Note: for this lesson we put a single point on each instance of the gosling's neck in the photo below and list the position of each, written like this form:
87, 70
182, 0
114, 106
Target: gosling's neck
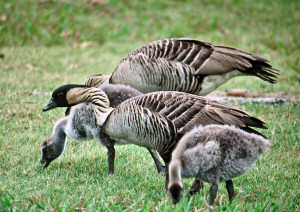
175, 186
175, 173
58, 138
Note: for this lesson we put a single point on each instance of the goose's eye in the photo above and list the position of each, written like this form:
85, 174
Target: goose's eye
60, 95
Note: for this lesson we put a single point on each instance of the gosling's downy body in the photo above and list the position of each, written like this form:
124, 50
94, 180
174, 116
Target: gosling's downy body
81, 124
186, 65
156, 120
214, 154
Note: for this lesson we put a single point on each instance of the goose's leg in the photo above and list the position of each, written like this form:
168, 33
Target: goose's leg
159, 166
111, 159
213, 193
196, 187
230, 189
166, 158
109, 144
67, 111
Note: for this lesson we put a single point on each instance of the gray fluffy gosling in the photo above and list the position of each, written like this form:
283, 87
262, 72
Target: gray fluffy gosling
81, 124
214, 154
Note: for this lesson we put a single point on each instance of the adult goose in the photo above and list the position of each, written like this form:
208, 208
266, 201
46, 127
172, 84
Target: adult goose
80, 124
186, 65
156, 120
214, 154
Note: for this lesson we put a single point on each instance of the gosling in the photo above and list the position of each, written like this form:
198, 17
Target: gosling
214, 154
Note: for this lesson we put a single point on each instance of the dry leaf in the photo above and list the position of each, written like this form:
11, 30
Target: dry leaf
66, 34
99, 2
3, 17
238, 92
84, 45
30, 67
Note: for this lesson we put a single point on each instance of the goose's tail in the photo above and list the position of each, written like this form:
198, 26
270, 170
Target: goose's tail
262, 69
248, 63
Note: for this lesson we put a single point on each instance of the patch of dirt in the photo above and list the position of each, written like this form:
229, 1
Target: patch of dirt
247, 96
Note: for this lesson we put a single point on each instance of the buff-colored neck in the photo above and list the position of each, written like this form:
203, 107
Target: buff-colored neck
97, 80
92, 95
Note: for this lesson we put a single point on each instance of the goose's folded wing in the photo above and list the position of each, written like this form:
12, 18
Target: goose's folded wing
180, 51
187, 111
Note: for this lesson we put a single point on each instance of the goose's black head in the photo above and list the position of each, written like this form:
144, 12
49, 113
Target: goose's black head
62, 96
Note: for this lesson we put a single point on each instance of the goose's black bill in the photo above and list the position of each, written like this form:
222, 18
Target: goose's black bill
50, 105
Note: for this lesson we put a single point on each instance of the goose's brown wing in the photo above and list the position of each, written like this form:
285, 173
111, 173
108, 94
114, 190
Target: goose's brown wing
187, 111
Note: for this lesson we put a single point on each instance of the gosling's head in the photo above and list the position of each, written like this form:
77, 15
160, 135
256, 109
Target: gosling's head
66, 96
50, 152
176, 191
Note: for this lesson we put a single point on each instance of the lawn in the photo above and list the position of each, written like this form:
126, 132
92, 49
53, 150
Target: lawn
50, 43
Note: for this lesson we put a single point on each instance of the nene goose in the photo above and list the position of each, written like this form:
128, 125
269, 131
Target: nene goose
186, 65
156, 120
80, 124
214, 154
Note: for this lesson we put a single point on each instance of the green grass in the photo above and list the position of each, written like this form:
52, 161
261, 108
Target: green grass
40, 57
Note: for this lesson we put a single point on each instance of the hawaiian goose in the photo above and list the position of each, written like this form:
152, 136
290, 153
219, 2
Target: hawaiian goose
81, 124
186, 65
156, 120
214, 154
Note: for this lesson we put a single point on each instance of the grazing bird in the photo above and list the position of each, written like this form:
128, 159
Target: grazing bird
186, 65
81, 124
214, 154
156, 120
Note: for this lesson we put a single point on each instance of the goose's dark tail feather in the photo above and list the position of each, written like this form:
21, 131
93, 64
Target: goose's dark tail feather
250, 130
262, 69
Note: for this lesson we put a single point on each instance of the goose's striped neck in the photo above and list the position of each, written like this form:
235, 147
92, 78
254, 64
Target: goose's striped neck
95, 96
97, 80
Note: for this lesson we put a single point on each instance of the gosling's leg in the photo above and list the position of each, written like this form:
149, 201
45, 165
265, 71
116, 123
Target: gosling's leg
159, 166
230, 189
213, 193
196, 187
111, 159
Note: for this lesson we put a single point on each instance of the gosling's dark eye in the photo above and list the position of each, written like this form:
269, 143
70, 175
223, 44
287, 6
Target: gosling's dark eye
60, 95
